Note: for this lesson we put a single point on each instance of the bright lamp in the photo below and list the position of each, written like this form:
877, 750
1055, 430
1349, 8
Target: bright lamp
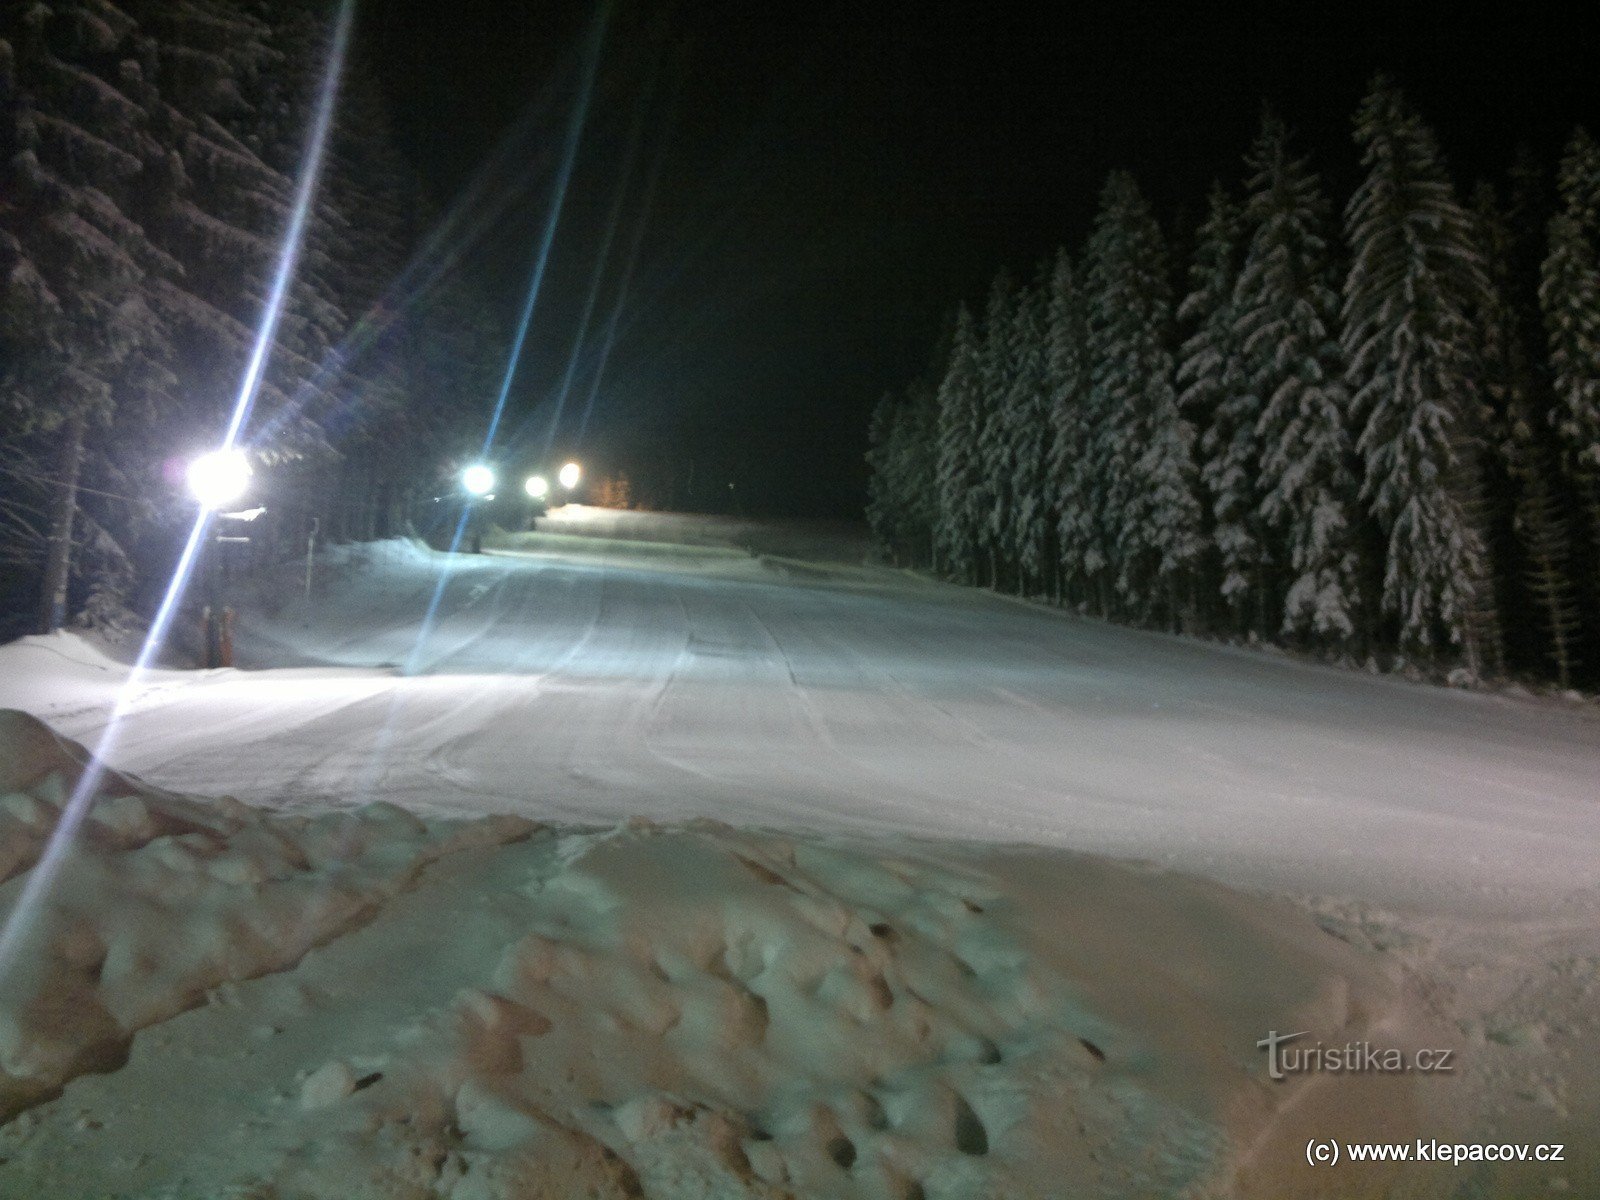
219, 478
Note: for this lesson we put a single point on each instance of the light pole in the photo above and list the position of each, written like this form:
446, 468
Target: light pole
217, 480
478, 482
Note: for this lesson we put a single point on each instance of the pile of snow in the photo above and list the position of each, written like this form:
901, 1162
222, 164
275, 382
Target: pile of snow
160, 899
638, 1011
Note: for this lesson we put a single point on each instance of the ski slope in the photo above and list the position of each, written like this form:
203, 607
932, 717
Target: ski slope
590, 680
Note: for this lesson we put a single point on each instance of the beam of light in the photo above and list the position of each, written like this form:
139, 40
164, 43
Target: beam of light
580, 114
20, 921
613, 327
602, 259
294, 239
575, 126
488, 195
610, 338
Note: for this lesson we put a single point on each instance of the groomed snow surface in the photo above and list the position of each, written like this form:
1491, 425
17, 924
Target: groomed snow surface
619, 881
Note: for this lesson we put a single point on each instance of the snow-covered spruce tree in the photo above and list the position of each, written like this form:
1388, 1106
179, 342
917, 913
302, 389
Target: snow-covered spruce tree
1285, 313
80, 333
216, 205
996, 372
885, 501
1529, 449
1213, 396
1414, 277
1032, 512
1080, 554
1569, 295
375, 196
1143, 448
900, 488
959, 468
920, 469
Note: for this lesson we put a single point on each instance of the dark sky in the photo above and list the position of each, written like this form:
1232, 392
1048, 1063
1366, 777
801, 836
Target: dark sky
837, 176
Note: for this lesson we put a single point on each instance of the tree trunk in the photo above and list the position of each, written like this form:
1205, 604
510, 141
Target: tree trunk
58, 542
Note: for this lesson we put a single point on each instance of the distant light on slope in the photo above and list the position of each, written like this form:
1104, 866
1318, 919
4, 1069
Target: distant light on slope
569, 476
478, 479
537, 486
218, 479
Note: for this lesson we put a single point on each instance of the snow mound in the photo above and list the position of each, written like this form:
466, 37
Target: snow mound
687, 1012
159, 899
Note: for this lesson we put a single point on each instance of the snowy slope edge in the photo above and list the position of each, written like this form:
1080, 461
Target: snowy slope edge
161, 898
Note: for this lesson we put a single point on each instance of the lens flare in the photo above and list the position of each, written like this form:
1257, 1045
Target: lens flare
580, 118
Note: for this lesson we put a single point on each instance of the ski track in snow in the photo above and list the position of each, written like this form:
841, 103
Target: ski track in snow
594, 686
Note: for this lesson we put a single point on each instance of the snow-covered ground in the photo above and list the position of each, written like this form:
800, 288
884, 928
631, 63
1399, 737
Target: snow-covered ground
1453, 838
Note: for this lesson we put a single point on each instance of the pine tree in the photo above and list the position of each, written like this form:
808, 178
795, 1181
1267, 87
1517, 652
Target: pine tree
1142, 448
885, 516
1032, 514
1569, 295
996, 373
1285, 314
1214, 397
1082, 555
960, 414
217, 207
1414, 277
900, 508
78, 267
1538, 524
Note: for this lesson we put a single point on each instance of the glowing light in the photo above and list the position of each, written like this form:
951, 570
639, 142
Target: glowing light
647, 204
569, 476
537, 486
478, 479
219, 478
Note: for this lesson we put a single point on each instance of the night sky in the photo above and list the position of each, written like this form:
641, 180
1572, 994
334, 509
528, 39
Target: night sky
836, 176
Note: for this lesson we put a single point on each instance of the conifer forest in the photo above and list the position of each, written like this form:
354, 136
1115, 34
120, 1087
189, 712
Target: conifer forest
147, 155
1363, 426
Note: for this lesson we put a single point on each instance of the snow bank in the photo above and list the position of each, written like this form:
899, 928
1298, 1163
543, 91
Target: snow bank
673, 1012
160, 899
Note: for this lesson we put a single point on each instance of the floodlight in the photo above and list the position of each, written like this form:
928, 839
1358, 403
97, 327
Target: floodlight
219, 478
